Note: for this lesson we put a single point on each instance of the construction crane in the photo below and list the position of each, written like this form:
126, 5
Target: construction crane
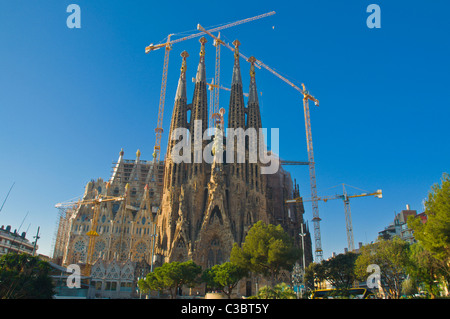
213, 86
214, 102
92, 233
284, 162
199, 27
168, 46
348, 217
311, 164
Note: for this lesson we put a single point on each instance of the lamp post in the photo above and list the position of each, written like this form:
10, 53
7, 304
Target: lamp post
302, 234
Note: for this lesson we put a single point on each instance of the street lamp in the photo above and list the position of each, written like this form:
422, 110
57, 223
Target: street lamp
302, 234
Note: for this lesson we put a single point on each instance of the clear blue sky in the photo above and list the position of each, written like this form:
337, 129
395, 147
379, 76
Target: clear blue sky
70, 99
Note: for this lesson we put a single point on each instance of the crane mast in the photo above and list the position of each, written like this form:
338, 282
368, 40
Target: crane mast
348, 221
215, 116
162, 99
312, 175
348, 217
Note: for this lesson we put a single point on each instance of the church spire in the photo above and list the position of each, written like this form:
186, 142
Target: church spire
236, 69
252, 93
180, 106
254, 121
117, 169
199, 104
254, 116
174, 172
201, 72
181, 89
236, 116
199, 113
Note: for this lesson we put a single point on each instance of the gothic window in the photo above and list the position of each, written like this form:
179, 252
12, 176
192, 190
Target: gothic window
216, 213
141, 248
164, 242
121, 250
219, 258
211, 261
115, 208
79, 246
215, 255
181, 243
249, 219
113, 273
100, 247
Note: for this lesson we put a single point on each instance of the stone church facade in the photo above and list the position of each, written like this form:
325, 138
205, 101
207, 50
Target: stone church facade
206, 207
179, 211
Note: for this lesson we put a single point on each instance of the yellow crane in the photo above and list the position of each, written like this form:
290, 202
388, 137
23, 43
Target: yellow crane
168, 46
285, 162
311, 164
348, 217
214, 102
92, 233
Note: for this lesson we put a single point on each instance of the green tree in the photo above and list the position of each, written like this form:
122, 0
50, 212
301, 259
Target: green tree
171, 277
339, 270
314, 274
392, 256
267, 249
434, 235
224, 277
24, 276
280, 291
424, 269
409, 287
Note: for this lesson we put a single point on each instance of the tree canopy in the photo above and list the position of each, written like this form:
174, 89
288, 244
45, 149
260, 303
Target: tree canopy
267, 249
434, 235
339, 270
23, 276
424, 269
280, 291
392, 258
224, 277
171, 277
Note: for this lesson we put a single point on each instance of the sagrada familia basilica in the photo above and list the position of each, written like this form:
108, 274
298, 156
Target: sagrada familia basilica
178, 211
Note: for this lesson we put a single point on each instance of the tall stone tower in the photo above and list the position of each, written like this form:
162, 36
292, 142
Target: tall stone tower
197, 208
206, 207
